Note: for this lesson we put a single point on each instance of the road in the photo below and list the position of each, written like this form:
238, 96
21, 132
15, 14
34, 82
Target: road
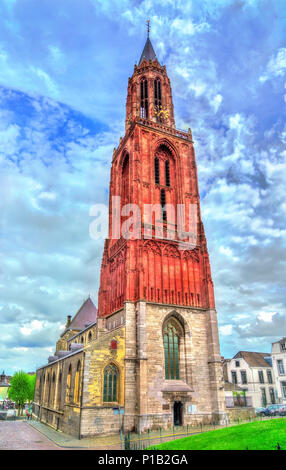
18, 435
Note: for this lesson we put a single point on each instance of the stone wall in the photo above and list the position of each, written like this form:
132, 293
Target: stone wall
240, 413
98, 417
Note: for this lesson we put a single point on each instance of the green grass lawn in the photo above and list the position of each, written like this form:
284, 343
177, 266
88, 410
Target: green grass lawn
259, 435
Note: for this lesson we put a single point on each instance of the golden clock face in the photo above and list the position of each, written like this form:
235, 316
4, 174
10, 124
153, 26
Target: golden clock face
161, 113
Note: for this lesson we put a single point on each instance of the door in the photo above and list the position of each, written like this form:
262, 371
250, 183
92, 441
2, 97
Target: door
178, 413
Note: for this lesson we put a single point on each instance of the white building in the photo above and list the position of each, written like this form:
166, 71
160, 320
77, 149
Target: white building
279, 368
252, 372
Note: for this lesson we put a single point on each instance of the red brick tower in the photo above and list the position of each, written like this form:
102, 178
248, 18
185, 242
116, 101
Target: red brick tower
154, 164
149, 282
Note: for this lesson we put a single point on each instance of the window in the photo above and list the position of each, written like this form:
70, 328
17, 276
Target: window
172, 332
59, 395
283, 389
110, 385
272, 395
167, 172
280, 367
82, 340
243, 377
125, 181
157, 171
236, 363
53, 387
77, 383
68, 391
163, 203
48, 389
269, 377
233, 377
261, 376
263, 397
157, 92
144, 98
90, 336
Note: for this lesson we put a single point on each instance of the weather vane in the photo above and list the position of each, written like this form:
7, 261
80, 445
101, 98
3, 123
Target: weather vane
148, 27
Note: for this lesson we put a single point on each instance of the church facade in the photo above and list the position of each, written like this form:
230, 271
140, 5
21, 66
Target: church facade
152, 348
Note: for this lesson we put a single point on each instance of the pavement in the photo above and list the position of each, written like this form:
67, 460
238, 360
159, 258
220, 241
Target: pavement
109, 442
19, 435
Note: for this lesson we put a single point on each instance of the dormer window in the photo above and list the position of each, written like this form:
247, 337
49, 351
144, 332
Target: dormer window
144, 98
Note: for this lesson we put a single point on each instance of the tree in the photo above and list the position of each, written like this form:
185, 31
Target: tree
32, 384
20, 389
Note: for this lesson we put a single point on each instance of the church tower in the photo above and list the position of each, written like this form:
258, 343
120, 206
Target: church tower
153, 282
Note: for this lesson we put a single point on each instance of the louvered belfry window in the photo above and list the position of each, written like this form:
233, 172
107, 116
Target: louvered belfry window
167, 172
144, 98
157, 171
171, 348
157, 92
163, 203
110, 386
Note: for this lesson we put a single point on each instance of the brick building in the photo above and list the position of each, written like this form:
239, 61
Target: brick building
152, 348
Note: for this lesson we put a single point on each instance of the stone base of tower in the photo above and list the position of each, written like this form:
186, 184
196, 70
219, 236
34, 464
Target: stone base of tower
196, 394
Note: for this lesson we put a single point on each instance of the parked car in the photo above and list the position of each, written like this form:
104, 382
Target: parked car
272, 410
282, 410
260, 411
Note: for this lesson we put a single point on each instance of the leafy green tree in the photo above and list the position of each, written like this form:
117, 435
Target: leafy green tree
20, 389
32, 383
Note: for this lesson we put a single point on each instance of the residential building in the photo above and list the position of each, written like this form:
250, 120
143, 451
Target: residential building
278, 355
253, 373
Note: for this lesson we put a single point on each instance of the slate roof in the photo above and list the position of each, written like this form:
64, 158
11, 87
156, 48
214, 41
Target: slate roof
254, 359
86, 315
148, 52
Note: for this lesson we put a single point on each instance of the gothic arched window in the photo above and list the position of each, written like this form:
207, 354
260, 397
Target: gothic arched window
77, 383
157, 92
144, 98
125, 182
110, 385
172, 332
59, 394
69, 377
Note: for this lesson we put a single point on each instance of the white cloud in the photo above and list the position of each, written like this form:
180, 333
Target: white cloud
225, 330
276, 66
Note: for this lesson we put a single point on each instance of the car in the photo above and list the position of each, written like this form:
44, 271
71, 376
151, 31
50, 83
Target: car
272, 410
260, 411
282, 410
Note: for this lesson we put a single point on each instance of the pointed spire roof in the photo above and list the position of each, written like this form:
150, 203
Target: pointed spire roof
148, 52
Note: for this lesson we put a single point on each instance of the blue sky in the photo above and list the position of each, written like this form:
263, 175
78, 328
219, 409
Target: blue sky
64, 68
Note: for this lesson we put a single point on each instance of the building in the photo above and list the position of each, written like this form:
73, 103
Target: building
253, 373
278, 355
4, 386
153, 349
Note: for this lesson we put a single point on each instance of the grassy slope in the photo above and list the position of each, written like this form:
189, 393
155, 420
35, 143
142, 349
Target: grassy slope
254, 436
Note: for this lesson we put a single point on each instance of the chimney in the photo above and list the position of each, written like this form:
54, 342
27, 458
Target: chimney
68, 321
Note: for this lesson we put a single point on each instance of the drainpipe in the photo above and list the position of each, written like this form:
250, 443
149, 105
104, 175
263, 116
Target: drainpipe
81, 396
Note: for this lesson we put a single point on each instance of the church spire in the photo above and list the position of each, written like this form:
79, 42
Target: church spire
148, 51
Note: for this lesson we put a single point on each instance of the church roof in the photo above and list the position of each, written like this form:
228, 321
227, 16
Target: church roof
148, 52
86, 314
